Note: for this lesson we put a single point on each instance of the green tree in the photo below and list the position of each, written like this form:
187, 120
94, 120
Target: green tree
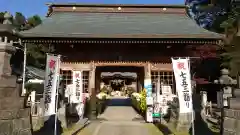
1, 17
230, 51
34, 20
36, 55
35, 52
19, 21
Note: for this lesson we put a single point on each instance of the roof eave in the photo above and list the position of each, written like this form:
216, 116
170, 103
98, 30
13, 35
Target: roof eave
152, 36
114, 5
109, 40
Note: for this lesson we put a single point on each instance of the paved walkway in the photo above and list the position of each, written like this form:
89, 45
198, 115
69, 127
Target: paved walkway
120, 120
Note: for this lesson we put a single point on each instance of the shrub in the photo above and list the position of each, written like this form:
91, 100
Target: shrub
102, 96
139, 101
105, 90
143, 104
135, 98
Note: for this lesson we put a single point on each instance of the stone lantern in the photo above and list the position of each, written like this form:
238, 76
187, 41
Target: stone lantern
225, 80
226, 84
14, 117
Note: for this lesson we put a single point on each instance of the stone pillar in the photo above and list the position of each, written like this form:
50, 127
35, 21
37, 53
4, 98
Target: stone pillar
14, 117
204, 103
92, 107
148, 88
203, 98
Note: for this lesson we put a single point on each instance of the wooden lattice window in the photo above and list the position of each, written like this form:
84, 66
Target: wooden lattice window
67, 79
166, 77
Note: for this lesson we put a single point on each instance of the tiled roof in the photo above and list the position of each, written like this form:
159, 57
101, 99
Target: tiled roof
90, 24
33, 73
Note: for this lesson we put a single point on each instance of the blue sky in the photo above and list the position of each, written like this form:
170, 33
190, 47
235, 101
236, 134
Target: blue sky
32, 7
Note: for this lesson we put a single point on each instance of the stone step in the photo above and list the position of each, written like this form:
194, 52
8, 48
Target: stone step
8, 81
232, 113
236, 92
11, 102
14, 114
234, 103
8, 92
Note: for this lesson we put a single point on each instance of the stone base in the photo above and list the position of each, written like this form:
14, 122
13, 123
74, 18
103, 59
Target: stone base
20, 126
49, 127
62, 116
229, 133
15, 122
15, 119
184, 122
37, 123
231, 122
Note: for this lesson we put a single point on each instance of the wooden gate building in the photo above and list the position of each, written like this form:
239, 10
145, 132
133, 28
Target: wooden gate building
118, 38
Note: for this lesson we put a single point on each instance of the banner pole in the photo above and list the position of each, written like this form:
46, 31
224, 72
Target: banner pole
193, 125
24, 69
56, 104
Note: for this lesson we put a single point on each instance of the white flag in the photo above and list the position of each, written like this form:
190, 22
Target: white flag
77, 87
181, 68
50, 85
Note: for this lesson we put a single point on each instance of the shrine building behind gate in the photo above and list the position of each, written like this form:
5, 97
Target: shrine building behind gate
119, 38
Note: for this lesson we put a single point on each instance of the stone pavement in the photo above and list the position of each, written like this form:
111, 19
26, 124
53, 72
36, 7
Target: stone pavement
120, 120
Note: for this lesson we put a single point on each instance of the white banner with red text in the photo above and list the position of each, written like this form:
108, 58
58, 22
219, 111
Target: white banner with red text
181, 68
51, 84
77, 87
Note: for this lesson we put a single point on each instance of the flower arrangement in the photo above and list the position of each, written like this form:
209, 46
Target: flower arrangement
102, 96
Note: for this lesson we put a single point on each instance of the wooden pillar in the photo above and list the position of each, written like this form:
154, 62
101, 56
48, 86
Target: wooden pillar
92, 107
138, 83
148, 87
97, 81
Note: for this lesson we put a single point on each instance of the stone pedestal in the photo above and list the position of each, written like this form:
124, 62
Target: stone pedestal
181, 121
184, 121
14, 117
62, 116
231, 122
